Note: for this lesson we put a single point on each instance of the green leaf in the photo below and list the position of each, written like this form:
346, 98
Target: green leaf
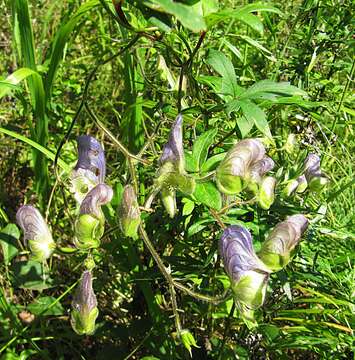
212, 162
224, 67
187, 15
240, 13
267, 89
49, 154
15, 78
8, 241
245, 125
207, 194
198, 226
61, 40
39, 132
190, 163
201, 146
30, 275
253, 113
267, 53
41, 306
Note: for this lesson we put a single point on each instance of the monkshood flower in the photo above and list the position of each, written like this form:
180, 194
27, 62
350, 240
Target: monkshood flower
90, 169
129, 213
278, 248
312, 171
172, 175
36, 232
247, 273
232, 172
84, 307
90, 224
260, 168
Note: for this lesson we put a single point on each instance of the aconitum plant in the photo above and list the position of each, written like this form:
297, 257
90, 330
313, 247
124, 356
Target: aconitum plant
245, 170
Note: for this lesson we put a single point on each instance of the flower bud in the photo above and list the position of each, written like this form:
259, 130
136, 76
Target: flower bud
298, 185
84, 307
267, 192
90, 225
168, 197
234, 168
129, 213
173, 151
90, 169
248, 275
277, 249
36, 232
172, 175
291, 144
188, 340
312, 171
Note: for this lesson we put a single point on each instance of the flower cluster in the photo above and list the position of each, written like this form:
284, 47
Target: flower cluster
249, 272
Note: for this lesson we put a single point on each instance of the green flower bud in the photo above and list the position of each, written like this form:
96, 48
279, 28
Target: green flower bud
234, 170
129, 213
168, 197
302, 184
277, 249
291, 144
36, 233
90, 224
84, 307
188, 340
267, 192
291, 187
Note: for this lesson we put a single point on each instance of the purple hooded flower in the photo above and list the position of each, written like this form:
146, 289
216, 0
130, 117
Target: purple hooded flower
91, 157
173, 151
261, 167
277, 249
36, 232
237, 252
249, 276
85, 298
84, 306
100, 195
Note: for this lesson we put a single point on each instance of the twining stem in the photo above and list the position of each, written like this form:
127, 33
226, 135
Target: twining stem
171, 281
120, 146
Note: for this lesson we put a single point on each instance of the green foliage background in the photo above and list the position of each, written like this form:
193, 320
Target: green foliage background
72, 67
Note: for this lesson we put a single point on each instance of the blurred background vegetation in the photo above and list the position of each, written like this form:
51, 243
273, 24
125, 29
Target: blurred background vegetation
92, 69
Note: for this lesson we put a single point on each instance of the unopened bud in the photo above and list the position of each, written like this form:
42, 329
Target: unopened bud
90, 225
129, 213
188, 340
84, 307
168, 197
277, 249
267, 192
36, 233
